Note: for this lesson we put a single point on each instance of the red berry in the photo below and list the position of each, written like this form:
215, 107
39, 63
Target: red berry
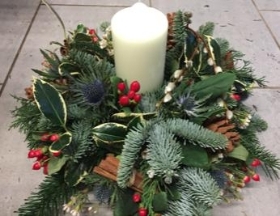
236, 97
56, 154
131, 94
94, 39
45, 169
135, 86
38, 153
54, 137
121, 86
45, 137
142, 212
31, 153
256, 162
136, 197
137, 98
124, 100
36, 165
246, 179
92, 32
256, 177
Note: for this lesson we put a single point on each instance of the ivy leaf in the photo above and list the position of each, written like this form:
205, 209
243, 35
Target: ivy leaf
240, 153
56, 163
64, 140
50, 102
194, 156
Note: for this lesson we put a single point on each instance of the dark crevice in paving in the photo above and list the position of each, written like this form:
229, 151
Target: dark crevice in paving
18, 51
86, 5
266, 24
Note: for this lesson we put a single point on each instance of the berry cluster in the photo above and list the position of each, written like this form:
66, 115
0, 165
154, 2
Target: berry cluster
128, 97
93, 35
42, 154
137, 199
251, 174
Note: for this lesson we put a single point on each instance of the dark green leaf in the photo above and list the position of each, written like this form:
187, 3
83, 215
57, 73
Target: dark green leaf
124, 205
82, 37
240, 153
56, 163
215, 85
194, 156
50, 102
160, 202
75, 172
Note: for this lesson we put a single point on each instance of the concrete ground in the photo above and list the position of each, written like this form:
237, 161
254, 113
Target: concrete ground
252, 26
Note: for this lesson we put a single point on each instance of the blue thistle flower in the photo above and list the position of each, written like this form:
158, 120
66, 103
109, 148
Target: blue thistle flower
94, 92
220, 177
102, 193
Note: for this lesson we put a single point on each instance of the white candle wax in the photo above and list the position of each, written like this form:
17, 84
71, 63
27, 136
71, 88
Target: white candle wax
139, 40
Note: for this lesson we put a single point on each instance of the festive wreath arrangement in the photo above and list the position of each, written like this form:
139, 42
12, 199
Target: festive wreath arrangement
179, 150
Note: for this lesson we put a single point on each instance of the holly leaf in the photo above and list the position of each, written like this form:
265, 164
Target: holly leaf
124, 205
75, 173
50, 102
109, 133
64, 140
194, 156
56, 163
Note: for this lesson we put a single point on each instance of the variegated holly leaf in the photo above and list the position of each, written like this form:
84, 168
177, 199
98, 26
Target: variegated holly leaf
109, 133
50, 102
64, 140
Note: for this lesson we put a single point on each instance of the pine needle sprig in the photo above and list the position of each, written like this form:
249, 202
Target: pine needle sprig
270, 162
201, 186
49, 198
163, 153
134, 141
196, 134
81, 139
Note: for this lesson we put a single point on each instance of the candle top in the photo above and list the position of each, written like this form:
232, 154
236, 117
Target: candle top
139, 22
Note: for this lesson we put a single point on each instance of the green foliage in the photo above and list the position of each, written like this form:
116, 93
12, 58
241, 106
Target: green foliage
49, 198
207, 29
163, 152
50, 102
196, 134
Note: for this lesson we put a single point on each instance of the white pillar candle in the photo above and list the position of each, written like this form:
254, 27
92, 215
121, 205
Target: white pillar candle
139, 40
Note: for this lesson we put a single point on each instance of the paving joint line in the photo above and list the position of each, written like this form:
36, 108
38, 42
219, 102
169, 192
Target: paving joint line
266, 24
18, 51
85, 5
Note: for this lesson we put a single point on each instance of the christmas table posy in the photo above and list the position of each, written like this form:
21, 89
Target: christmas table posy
175, 147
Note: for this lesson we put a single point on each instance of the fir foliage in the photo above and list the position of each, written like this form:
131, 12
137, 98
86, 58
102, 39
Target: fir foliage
47, 201
196, 134
134, 141
163, 152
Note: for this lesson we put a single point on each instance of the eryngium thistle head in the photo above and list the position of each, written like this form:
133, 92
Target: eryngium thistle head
94, 92
188, 104
220, 177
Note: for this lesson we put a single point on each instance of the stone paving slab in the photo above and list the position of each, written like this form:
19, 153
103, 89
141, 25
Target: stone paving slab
96, 2
268, 4
15, 17
239, 23
271, 17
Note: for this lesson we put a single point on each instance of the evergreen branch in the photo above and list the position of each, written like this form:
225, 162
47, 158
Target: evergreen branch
207, 29
196, 134
164, 153
134, 141
270, 163
53, 192
201, 186
182, 207
81, 139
